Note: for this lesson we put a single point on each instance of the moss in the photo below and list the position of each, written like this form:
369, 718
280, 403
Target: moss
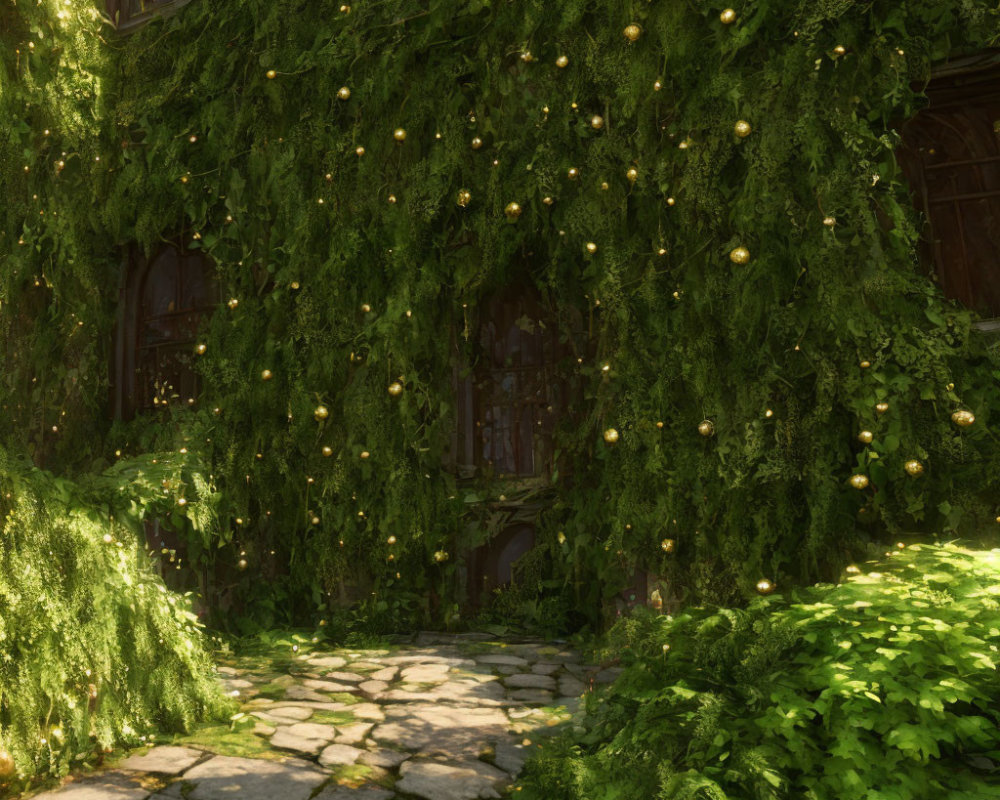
224, 741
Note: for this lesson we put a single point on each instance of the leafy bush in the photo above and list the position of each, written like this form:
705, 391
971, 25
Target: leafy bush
94, 651
884, 686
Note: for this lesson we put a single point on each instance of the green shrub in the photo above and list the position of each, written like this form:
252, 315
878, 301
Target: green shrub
884, 686
94, 651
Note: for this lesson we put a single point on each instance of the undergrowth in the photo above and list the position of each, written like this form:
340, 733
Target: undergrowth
884, 686
95, 652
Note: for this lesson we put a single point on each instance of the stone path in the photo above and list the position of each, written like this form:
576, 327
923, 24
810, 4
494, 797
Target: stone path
444, 718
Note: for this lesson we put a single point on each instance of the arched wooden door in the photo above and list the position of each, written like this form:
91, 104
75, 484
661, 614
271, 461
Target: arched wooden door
510, 398
509, 401
162, 301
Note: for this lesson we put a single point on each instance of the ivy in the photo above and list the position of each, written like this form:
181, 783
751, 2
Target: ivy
178, 130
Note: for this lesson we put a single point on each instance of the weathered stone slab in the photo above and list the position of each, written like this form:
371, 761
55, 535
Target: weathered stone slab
532, 696
353, 733
555, 654
164, 760
467, 780
545, 668
339, 755
432, 730
383, 757
291, 712
576, 670
109, 786
426, 673
343, 677
510, 757
387, 674
529, 680
327, 662
304, 693
571, 687
372, 712
303, 737
502, 658
328, 686
373, 688
435, 656
227, 778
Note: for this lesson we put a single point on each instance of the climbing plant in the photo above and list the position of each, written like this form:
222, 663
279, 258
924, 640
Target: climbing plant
711, 193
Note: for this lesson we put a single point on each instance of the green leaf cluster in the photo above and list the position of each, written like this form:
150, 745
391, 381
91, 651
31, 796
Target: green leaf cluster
883, 686
95, 652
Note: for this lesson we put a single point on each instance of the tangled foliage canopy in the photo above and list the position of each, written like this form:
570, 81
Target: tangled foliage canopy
883, 686
178, 130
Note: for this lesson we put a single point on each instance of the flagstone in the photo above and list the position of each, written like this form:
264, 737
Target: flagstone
571, 687
387, 674
467, 780
303, 737
371, 712
110, 786
327, 662
353, 733
343, 677
383, 757
228, 777
339, 755
529, 680
425, 673
502, 658
532, 696
291, 712
432, 729
444, 713
304, 693
163, 760
510, 757
373, 687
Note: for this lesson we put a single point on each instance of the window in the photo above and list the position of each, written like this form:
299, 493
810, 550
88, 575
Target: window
509, 403
162, 303
951, 157
127, 14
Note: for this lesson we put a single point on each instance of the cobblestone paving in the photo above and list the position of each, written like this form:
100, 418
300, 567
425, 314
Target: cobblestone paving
444, 718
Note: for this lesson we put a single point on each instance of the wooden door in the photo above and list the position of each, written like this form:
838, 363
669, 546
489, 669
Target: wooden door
951, 156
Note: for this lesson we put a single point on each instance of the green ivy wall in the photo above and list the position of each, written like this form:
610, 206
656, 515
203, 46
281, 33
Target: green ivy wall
178, 129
